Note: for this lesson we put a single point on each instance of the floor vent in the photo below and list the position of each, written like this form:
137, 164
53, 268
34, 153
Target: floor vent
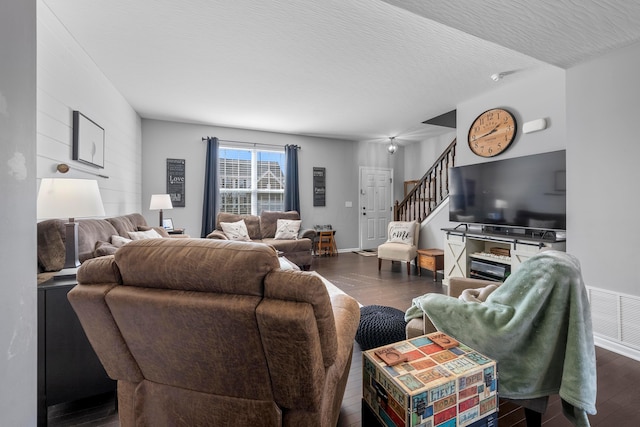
615, 316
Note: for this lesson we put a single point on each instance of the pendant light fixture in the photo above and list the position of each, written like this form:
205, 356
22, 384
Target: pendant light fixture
392, 145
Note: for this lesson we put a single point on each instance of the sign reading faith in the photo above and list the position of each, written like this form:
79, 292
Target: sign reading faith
176, 181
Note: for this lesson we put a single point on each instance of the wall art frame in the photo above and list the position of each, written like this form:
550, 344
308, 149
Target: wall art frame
88, 140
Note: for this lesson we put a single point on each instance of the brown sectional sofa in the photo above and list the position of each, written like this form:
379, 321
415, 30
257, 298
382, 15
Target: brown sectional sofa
213, 332
94, 236
262, 229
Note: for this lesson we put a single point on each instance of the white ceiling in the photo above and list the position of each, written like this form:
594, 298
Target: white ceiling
355, 69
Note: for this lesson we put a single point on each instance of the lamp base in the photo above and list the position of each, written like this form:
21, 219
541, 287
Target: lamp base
66, 274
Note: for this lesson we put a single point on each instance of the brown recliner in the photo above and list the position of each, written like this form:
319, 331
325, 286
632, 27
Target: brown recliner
202, 332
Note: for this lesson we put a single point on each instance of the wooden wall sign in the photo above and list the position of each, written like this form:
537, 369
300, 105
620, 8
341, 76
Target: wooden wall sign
319, 186
176, 181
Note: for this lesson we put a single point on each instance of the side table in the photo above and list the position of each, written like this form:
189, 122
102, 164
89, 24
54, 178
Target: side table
431, 259
68, 368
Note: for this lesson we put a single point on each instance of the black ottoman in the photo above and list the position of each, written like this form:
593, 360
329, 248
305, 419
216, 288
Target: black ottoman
380, 325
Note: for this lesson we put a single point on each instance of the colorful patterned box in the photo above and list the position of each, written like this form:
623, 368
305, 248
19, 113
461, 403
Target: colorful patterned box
435, 387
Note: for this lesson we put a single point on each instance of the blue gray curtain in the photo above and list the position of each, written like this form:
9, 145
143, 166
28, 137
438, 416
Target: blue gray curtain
211, 188
291, 187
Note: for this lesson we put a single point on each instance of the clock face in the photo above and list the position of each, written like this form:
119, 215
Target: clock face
492, 132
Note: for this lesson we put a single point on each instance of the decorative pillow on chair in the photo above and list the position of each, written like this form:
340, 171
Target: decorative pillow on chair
287, 229
401, 232
119, 241
235, 231
140, 235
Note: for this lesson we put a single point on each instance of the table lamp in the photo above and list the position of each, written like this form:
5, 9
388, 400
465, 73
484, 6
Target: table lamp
69, 198
160, 201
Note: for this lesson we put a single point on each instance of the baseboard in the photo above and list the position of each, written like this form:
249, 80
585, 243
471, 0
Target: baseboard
340, 251
616, 348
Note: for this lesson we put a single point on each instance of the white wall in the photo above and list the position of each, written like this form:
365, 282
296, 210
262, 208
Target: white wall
18, 303
162, 140
603, 169
69, 80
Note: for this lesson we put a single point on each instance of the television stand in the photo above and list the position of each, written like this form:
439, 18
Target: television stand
461, 246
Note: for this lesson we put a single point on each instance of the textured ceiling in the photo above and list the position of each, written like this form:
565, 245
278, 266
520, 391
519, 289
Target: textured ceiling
358, 69
559, 32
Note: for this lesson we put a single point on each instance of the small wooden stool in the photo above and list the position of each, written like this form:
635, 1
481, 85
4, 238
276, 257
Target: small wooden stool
431, 259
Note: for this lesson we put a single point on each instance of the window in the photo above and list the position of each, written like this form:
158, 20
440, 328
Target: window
251, 180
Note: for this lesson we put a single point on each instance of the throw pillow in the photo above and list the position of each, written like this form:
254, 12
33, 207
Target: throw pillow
161, 231
119, 241
140, 235
104, 248
287, 229
401, 232
235, 231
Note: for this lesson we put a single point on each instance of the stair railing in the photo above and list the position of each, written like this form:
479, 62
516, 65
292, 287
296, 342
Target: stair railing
429, 192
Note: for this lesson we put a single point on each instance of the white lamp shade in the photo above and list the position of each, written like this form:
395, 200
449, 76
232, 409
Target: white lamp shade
160, 201
69, 198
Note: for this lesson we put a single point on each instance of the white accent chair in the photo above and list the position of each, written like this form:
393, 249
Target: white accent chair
402, 243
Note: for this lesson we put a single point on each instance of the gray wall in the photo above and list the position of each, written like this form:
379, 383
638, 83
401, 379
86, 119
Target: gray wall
528, 97
603, 172
18, 303
162, 140
420, 156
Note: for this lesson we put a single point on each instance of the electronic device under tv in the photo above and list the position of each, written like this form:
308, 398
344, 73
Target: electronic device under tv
526, 192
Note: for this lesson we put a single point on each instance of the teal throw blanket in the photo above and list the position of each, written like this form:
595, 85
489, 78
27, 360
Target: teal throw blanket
537, 325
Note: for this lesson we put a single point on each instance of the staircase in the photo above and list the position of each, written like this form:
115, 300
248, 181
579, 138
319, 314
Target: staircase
428, 192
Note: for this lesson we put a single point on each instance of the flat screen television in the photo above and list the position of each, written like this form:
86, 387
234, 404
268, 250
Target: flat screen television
522, 192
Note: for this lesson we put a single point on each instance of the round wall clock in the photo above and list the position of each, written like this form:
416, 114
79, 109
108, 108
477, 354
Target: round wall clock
492, 132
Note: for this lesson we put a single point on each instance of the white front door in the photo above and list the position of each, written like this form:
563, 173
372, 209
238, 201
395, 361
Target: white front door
376, 209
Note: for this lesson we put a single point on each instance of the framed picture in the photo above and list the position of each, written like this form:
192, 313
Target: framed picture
167, 224
88, 140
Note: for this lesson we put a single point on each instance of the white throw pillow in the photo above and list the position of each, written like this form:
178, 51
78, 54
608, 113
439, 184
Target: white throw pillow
119, 241
236, 231
140, 235
401, 232
287, 229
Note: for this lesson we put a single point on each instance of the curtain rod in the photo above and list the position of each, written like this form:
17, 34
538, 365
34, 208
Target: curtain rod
205, 138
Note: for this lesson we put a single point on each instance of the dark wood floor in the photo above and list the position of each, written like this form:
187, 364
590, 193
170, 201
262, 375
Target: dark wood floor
618, 400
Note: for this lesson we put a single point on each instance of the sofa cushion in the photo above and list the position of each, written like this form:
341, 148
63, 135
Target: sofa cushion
104, 248
251, 221
269, 221
214, 265
287, 229
89, 232
235, 231
122, 224
288, 246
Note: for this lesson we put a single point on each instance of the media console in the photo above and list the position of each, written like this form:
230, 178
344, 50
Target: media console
493, 254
